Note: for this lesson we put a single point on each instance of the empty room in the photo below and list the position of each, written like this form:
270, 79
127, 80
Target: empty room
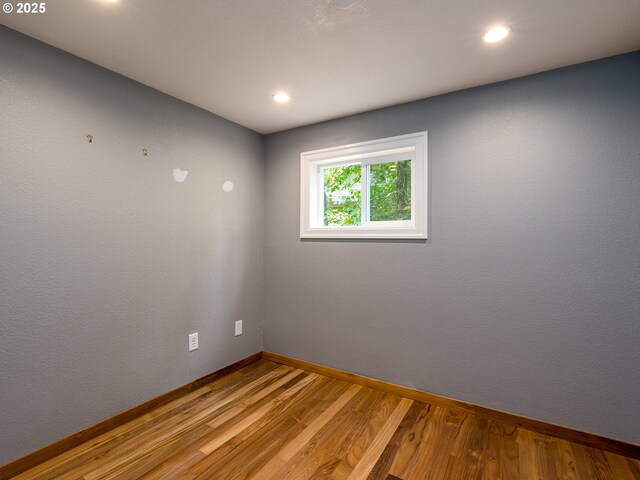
320, 239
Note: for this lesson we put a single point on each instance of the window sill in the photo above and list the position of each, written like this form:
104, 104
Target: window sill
345, 233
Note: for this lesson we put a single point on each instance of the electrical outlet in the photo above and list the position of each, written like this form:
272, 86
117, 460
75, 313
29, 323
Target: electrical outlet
238, 327
193, 341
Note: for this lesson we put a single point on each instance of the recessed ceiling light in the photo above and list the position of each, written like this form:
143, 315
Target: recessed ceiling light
496, 34
281, 97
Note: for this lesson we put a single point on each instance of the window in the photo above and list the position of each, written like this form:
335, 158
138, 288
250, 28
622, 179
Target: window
373, 189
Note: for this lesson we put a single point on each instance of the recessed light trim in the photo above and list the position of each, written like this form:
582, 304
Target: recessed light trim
281, 97
496, 34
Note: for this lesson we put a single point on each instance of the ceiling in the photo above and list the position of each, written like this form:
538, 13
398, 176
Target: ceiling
230, 57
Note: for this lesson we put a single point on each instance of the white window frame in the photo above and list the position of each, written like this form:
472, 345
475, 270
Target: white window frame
404, 147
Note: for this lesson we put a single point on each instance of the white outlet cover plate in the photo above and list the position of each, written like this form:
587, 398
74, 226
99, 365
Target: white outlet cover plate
193, 341
238, 327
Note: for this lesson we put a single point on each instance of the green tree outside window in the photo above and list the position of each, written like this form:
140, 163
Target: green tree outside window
389, 191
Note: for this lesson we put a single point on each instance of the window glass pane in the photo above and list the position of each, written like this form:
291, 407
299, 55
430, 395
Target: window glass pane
390, 191
342, 206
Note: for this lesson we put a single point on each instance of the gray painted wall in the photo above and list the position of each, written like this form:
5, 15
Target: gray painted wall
106, 264
527, 296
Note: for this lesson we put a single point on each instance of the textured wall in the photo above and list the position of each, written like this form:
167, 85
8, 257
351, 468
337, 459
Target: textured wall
106, 263
527, 296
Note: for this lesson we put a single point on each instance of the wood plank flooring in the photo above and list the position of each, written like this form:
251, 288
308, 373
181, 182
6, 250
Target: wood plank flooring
269, 421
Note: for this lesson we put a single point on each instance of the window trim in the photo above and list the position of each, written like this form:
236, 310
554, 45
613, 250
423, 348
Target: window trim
366, 153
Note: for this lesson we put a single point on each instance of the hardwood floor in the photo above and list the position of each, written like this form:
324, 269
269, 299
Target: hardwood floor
269, 421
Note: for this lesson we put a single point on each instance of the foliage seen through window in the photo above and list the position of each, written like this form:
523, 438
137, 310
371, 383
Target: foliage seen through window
389, 193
